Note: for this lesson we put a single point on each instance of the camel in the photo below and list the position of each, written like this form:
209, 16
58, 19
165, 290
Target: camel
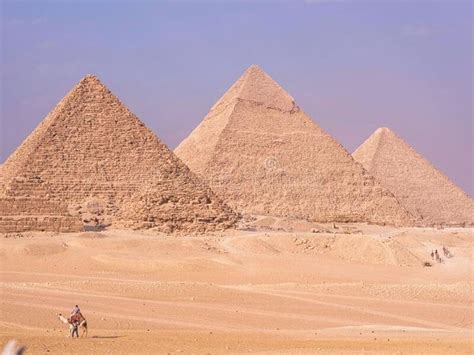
72, 329
12, 348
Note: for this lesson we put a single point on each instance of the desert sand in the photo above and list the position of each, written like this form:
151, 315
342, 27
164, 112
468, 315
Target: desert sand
271, 286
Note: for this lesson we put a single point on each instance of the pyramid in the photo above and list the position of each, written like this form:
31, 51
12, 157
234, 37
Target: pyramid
418, 185
95, 156
263, 155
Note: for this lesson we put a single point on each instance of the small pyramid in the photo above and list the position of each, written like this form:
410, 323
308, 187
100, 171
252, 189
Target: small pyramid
419, 186
95, 156
265, 156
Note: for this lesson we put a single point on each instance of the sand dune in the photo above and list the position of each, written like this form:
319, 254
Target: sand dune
266, 289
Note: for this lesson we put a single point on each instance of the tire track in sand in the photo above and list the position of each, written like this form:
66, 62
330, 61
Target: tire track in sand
408, 319
193, 305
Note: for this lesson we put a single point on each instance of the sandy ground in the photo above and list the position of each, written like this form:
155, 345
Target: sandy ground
276, 287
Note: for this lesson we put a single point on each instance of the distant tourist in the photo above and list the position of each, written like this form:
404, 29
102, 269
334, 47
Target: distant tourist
75, 329
75, 310
432, 255
446, 252
437, 257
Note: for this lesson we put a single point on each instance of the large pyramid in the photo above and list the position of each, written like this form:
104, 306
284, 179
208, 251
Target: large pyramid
96, 157
263, 155
418, 185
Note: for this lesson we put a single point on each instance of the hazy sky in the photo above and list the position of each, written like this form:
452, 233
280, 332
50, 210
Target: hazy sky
352, 66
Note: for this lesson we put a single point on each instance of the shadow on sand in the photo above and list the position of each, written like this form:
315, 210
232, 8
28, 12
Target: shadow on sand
107, 337
97, 228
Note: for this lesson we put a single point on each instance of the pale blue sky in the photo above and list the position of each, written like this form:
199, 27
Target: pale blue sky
352, 66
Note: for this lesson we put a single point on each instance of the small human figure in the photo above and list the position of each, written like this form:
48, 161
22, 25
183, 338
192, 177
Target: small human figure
432, 255
446, 252
75, 310
75, 315
75, 329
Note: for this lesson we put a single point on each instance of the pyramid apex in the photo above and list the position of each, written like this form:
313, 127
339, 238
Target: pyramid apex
256, 85
383, 130
88, 83
384, 133
255, 73
254, 67
90, 78
372, 144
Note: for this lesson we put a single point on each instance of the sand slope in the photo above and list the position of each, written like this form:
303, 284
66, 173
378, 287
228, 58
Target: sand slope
276, 287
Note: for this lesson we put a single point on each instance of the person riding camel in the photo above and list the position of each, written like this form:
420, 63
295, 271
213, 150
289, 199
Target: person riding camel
75, 310
75, 314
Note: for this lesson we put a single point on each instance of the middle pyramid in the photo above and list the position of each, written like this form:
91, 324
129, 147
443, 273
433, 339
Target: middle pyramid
265, 156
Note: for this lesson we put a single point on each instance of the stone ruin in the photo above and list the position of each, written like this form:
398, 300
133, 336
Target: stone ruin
92, 161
